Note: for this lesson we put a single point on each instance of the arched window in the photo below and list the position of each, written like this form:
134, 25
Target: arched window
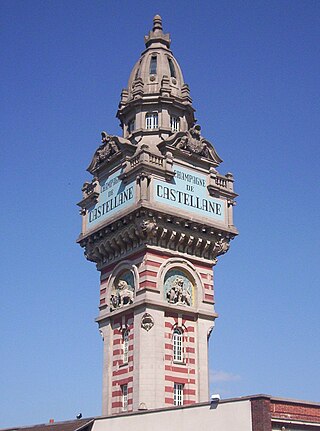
172, 69
177, 345
138, 70
152, 120
153, 65
125, 346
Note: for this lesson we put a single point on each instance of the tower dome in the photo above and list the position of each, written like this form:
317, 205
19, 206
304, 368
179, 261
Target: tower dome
155, 63
157, 102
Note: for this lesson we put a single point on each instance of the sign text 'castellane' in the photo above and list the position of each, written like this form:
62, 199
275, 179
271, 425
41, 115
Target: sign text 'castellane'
188, 191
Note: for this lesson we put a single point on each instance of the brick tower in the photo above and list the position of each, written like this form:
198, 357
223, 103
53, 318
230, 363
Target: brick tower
155, 217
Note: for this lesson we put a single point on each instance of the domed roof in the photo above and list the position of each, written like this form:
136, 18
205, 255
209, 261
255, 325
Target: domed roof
157, 102
156, 62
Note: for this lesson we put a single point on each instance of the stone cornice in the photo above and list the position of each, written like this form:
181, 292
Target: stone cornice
157, 303
152, 228
155, 98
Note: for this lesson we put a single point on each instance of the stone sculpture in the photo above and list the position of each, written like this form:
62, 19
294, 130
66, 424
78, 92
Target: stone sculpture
122, 295
178, 290
193, 143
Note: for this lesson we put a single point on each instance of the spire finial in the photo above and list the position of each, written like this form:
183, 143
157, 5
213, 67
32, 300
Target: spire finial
156, 35
157, 23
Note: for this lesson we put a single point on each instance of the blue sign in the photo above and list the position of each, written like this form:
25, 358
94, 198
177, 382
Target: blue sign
114, 196
188, 191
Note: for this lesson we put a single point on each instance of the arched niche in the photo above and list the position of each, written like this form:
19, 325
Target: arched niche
122, 285
180, 283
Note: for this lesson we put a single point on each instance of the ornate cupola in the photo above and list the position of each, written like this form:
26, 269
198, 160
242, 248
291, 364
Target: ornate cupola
157, 102
155, 217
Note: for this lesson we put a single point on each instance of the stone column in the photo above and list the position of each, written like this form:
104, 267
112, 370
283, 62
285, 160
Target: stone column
106, 332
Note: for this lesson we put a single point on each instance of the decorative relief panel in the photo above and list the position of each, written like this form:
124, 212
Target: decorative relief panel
193, 143
109, 146
178, 288
122, 292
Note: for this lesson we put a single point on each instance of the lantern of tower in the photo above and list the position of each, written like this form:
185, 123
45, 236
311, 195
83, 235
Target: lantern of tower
155, 218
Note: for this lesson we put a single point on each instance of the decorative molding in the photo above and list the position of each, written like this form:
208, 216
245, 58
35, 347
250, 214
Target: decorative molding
88, 188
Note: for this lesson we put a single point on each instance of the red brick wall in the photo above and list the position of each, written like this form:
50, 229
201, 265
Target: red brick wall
295, 411
260, 414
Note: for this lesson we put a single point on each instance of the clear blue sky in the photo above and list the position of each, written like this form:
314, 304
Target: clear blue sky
253, 71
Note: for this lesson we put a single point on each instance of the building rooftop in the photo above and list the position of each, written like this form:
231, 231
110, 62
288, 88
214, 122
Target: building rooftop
73, 425
274, 410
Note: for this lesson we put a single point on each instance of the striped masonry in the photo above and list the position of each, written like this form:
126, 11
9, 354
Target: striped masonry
184, 372
122, 373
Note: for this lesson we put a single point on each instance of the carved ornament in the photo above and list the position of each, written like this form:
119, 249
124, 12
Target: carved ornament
88, 188
110, 145
148, 227
122, 293
147, 322
193, 143
222, 246
178, 288
174, 233
90, 195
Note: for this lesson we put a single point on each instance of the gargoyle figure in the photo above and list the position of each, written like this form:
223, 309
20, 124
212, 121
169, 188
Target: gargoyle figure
149, 227
221, 246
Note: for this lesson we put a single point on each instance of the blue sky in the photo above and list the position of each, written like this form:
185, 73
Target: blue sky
253, 71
